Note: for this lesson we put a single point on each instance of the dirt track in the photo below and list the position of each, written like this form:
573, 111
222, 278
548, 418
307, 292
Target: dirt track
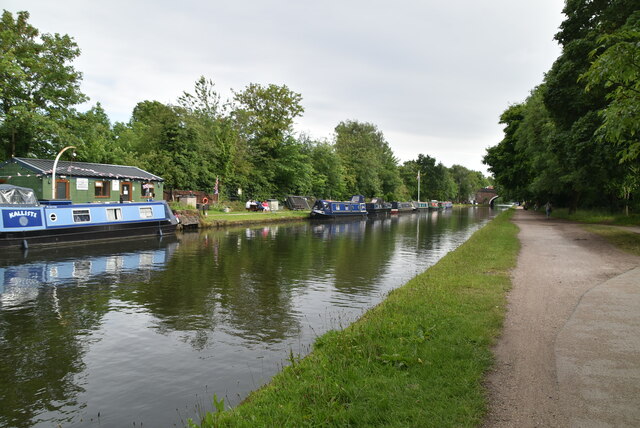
569, 355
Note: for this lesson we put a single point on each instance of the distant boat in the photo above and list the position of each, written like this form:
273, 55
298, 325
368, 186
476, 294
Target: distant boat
420, 206
434, 205
26, 222
401, 207
378, 206
327, 209
447, 204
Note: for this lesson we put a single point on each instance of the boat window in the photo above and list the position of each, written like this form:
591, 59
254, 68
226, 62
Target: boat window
114, 214
146, 212
336, 207
81, 216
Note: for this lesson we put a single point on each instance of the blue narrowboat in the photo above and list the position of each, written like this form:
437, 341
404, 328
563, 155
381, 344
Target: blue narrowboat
25, 221
326, 209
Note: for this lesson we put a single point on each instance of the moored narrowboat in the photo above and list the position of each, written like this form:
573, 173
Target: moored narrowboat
327, 209
378, 206
401, 207
420, 206
433, 205
26, 222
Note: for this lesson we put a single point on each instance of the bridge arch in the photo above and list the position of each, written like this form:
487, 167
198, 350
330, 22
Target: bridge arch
493, 200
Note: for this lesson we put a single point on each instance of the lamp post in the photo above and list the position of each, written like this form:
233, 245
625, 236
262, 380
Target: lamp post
53, 172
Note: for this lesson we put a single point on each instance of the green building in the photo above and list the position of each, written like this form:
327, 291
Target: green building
82, 182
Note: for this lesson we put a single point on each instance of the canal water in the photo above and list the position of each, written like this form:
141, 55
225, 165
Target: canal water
145, 332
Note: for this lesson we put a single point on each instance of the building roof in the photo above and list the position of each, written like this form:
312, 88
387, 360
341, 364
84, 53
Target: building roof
86, 169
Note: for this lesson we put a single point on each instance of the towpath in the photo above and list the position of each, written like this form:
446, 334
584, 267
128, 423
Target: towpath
569, 354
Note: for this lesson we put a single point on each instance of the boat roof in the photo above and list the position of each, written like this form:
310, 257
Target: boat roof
85, 169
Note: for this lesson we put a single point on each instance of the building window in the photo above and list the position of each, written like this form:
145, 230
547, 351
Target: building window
103, 189
114, 214
147, 190
146, 212
81, 216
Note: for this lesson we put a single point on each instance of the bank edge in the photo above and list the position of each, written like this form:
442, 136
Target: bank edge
418, 359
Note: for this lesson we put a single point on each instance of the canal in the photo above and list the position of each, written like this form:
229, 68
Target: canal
145, 332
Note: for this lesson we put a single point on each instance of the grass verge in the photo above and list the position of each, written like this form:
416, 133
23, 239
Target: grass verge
623, 239
416, 359
597, 216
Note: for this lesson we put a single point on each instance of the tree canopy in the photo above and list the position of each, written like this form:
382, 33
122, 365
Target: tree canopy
574, 140
38, 88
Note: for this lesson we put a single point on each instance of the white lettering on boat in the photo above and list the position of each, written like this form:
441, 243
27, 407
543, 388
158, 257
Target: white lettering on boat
33, 214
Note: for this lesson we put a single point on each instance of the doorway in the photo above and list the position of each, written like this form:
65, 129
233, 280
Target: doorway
125, 191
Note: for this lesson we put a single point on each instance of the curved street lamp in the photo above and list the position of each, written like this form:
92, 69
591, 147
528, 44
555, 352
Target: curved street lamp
53, 172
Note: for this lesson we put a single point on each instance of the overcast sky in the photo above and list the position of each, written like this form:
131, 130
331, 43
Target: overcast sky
433, 76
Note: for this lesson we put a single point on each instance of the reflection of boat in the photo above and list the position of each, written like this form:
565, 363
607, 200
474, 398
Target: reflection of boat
378, 206
325, 209
21, 280
401, 207
26, 222
346, 226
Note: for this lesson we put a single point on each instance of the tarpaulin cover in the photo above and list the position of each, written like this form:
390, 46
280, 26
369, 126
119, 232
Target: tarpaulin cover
14, 195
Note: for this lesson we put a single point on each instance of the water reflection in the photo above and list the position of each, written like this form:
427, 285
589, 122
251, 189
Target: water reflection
49, 308
132, 334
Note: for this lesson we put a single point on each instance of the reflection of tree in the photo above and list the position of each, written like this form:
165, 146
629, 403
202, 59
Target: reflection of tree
359, 258
42, 349
246, 279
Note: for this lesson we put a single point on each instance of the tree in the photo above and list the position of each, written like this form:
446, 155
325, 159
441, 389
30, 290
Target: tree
264, 117
92, 134
38, 87
467, 182
371, 169
327, 176
617, 68
216, 137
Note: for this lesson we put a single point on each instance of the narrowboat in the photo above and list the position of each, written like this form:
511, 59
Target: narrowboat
420, 206
26, 222
434, 205
447, 205
401, 207
326, 209
378, 206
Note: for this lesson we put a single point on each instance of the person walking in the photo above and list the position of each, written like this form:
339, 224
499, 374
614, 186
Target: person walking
547, 208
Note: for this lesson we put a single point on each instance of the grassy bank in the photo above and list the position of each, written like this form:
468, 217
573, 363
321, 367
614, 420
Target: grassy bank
417, 359
216, 219
597, 217
623, 239
607, 225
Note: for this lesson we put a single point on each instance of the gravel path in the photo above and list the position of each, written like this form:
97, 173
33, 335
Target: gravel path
569, 354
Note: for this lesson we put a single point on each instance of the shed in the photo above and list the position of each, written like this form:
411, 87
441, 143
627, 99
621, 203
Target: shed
82, 182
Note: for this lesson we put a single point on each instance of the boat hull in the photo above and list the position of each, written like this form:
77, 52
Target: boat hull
70, 224
318, 215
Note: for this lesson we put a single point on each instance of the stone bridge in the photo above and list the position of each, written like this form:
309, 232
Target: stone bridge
486, 196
